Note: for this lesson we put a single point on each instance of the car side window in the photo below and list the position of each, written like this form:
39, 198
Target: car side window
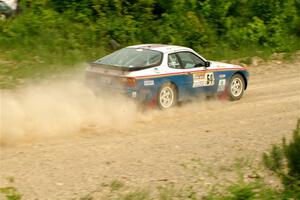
190, 60
173, 61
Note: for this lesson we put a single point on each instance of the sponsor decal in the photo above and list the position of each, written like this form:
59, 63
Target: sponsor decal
148, 82
198, 76
222, 76
221, 86
203, 79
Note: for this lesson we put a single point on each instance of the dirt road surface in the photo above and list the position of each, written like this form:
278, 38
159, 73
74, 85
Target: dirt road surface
201, 142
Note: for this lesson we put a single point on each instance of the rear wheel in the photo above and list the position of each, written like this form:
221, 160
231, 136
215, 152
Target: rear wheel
167, 96
236, 87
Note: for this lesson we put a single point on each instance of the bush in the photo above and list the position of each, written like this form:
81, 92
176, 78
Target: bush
55, 29
10, 193
284, 161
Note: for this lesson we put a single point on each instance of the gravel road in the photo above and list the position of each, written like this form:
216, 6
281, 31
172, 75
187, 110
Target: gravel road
200, 142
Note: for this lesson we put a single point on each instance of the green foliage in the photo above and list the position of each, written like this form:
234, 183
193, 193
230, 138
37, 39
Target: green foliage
116, 185
10, 193
47, 33
240, 192
71, 31
292, 152
274, 160
284, 161
169, 192
137, 195
247, 191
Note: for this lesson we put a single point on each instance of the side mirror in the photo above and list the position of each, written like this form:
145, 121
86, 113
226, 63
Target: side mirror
207, 63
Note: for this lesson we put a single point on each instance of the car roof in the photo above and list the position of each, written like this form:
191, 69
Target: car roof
164, 48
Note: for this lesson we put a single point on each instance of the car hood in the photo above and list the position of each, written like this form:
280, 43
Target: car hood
220, 65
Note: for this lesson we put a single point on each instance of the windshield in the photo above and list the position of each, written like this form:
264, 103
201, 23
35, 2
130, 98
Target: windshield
132, 57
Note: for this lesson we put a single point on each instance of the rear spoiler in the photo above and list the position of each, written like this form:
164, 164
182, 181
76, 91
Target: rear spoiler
124, 69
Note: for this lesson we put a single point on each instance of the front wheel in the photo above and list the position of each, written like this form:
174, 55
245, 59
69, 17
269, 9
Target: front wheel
167, 96
236, 87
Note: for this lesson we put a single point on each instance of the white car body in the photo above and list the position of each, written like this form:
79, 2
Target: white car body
191, 73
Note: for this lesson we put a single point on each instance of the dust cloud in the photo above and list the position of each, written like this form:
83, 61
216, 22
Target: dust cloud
58, 108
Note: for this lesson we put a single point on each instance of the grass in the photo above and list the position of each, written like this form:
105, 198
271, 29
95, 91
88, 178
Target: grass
11, 193
116, 185
226, 53
17, 66
135, 195
246, 191
240, 190
237, 191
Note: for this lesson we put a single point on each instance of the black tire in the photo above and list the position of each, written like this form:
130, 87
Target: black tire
167, 96
236, 87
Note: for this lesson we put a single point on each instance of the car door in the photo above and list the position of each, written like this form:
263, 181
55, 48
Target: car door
199, 79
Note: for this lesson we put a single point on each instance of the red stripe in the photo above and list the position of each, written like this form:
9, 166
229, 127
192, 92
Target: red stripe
178, 73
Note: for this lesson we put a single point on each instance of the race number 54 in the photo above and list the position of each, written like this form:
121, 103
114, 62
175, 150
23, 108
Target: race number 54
209, 78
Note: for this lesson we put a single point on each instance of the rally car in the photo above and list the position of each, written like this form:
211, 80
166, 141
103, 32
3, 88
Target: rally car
165, 75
